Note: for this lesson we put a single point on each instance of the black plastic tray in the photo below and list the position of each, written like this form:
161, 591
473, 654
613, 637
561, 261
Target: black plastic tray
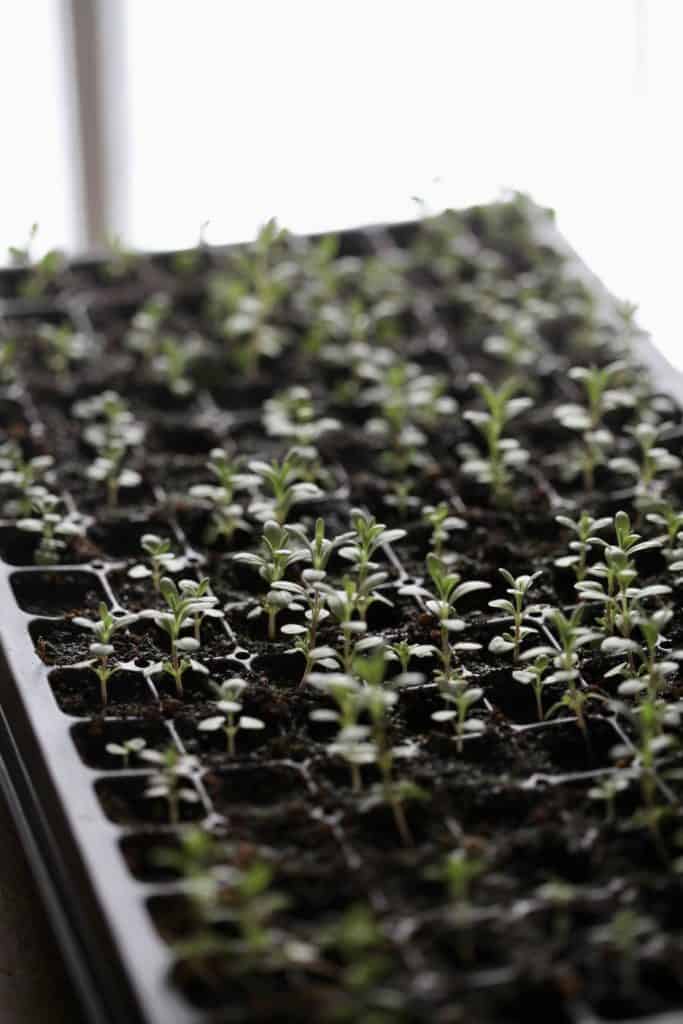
118, 962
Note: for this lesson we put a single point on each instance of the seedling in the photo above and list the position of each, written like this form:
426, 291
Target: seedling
409, 400
230, 707
602, 395
575, 701
42, 273
572, 637
357, 940
369, 537
52, 525
378, 701
503, 455
318, 552
23, 476
351, 740
343, 605
143, 335
287, 487
223, 894
183, 606
655, 460
404, 652
584, 530
671, 521
613, 578
126, 749
291, 415
649, 718
172, 771
111, 429
449, 589
607, 791
275, 558
534, 676
227, 514
643, 670
244, 301
173, 362
200, 591
161, 557
63, 346
443, 523
518, 588
460, 697
102, 648
354, 599
518, 342
195, 852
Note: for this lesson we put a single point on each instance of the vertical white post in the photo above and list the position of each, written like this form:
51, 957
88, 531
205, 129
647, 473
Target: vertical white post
94, 46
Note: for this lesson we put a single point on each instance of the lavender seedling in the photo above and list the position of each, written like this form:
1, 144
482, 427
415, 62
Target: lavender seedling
612, 582
229, 707
351, 741
111, 429
317, 553
601, 396
54, 527
22, 476
515, 607
643, 671
227, 514
162, 560
182, 607
244, 301
584, 530
169, 781
63, 346
42, 273
572, 636
460, 697
443, 523
126, 749
654, 461
671, 521
403, 652
102, 648
377, 700
534, 675
369, 536
607, 790
291, 415
144, 332
287, 487
173, 362
275, 558
409, 400
200, 591
503, 454
449, 588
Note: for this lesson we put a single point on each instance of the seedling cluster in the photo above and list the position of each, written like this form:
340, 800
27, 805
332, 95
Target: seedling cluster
383, 552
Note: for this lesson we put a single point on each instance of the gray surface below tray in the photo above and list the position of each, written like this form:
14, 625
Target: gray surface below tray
34, 984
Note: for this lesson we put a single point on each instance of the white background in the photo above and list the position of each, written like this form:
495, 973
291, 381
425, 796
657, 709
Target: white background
330, 113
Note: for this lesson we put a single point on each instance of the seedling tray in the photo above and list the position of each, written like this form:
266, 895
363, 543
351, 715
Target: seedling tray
87, 830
